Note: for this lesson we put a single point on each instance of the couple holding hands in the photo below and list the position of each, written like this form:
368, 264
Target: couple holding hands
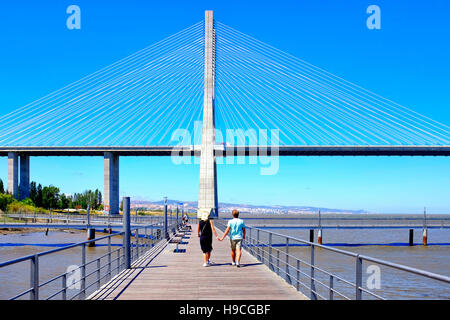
236, 228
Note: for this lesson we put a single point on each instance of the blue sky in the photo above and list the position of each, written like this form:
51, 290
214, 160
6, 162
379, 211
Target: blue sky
406, 61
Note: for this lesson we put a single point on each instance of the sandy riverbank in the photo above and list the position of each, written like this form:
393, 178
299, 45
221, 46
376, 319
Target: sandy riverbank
8, 231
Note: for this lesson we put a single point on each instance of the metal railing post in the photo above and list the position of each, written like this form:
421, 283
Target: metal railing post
83, 270
177, 216
98, 273
64, 287
137, 243
298, 275
152, 240
118, 260
257, 243
263, 251
34, 277
270, 251
145, 239
166, 233
288, 278
313, 289
358, 279
250, 240
331, 288
278, 262
109, 258
127, 232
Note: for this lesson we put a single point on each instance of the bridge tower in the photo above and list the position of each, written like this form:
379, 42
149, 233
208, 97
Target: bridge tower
207, 195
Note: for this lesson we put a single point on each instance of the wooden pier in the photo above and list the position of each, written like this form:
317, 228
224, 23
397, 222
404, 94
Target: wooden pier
166, 275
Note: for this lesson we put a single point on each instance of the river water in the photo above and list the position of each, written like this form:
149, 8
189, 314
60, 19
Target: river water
382, 236
384, 243
15, 279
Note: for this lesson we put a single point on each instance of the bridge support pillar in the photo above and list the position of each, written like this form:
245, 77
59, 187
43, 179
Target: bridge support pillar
13, 174
24, 177
111, 182
207, 196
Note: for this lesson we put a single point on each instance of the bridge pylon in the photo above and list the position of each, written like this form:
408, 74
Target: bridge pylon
207, 195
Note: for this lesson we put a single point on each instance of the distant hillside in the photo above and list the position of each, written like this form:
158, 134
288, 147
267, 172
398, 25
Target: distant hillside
191, 206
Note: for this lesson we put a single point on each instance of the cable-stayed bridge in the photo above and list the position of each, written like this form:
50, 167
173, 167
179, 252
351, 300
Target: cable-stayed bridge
210, 91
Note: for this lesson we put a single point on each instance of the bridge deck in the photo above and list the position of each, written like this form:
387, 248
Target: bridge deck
180, 276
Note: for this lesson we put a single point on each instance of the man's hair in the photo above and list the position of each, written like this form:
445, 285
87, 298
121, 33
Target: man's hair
235, 213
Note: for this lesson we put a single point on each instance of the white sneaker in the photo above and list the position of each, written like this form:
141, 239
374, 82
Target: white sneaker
205, 264
233, 263
210, 262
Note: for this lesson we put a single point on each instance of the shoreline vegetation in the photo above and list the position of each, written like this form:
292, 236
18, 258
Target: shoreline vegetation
49, 200
45, 199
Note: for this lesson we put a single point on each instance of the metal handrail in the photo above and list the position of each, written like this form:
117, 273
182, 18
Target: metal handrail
144, 243
253, 243
424, 273
83, 217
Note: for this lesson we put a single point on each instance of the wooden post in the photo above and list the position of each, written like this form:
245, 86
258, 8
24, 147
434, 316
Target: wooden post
91, 236
319, 232
425, 230
411, 237
90, 231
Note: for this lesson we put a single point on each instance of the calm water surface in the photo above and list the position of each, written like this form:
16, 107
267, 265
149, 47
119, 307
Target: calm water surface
394, 284
15, 278
388, 244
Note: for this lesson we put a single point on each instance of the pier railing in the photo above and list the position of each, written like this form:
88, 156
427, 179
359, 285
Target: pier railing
309, 275
89, 274
82, 218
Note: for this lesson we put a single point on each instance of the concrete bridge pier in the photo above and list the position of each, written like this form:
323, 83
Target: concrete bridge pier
18, 165
13, 174
24, 177
111, 182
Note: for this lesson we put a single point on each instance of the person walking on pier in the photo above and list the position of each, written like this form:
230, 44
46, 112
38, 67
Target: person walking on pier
237, 228
205, 232
186, 221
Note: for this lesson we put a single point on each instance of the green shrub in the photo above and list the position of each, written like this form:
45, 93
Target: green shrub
5, 200
27, 202
17, 207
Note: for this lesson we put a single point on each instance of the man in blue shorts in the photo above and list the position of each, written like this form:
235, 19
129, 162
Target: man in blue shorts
236, 227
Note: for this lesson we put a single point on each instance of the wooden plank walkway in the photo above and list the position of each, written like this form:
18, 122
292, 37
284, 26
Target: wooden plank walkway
181, 276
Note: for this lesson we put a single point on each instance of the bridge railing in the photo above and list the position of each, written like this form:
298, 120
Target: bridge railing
328, 273
94, 218
83, 279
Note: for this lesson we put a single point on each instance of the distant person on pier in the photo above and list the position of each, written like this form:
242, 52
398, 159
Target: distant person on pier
236, 227
205, 232
186, 221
